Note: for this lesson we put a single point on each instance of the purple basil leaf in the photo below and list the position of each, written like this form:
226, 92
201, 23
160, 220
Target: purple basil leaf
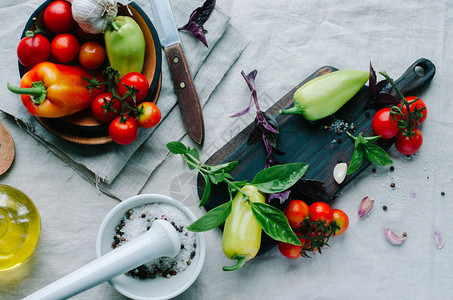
281, 197
311, 191
263, 121
243, 112
385, 99
198, 17
196, 30
372, 83
277, 151
255, 135
201, 14
250, 79
271, 135
382, 84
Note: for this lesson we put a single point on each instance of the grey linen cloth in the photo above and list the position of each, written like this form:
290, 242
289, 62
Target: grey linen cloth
122, 171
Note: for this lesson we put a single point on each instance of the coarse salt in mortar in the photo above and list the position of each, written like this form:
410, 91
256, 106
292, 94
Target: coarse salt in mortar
140, 219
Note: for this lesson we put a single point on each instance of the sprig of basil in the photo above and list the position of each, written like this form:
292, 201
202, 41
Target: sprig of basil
279, 178
177, 148
212, 218
363, 149
274, 223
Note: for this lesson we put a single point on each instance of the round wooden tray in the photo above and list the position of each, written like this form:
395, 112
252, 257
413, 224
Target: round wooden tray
82, 127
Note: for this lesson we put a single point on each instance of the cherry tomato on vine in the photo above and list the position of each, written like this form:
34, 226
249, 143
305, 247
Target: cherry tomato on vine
33, 49
417, 105
58, 17
296, 212
409, 145
341, 219
384, 125
65, 47
291, 251
123, 133
98, 107
149, 115
139, 82
91, 55
321, 211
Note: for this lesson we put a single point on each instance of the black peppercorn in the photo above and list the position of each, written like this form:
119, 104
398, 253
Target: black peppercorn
392, 184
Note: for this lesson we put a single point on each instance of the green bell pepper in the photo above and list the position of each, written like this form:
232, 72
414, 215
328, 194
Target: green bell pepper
324, 95
125, 45
242, 233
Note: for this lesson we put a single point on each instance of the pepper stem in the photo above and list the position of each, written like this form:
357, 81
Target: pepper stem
37, 92
290, 111
240, 262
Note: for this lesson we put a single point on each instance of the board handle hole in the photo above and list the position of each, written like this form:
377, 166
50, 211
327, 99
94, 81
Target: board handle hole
420, 70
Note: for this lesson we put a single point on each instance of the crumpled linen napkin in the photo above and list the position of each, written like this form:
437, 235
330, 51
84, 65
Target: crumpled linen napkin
122, 171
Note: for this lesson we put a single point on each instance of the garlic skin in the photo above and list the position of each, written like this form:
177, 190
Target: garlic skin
439, 239
392, 237
93, 16
339, 172
365, 207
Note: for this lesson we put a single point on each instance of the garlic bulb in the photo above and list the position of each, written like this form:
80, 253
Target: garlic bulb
93, 16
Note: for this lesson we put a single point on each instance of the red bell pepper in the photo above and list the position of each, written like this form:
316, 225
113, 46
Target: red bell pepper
53, 91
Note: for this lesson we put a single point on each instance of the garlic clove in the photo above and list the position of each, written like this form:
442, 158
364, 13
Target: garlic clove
393, 237
365, 207
439, 239
339, 172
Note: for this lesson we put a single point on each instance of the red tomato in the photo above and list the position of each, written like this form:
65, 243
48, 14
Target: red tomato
65, 47
291, 251
123, 133
321, 211
32, 50
58, 17
296, 212
417, 105
149, 115
99, 110
409, 145
91, 55
384, 125
341, 219
138, 81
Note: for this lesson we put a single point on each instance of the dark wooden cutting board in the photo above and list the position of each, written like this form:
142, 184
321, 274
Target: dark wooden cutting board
318, 143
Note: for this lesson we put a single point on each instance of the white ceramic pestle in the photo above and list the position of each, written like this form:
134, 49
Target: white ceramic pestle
160, 240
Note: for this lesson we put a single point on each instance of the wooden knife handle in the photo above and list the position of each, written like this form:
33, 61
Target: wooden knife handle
188, 101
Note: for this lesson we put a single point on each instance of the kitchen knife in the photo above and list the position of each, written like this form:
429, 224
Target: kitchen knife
188, 102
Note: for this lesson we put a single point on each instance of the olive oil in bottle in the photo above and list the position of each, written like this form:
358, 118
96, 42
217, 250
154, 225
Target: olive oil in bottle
20, 227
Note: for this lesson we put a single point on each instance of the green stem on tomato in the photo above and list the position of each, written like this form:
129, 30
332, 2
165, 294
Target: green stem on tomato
408, 126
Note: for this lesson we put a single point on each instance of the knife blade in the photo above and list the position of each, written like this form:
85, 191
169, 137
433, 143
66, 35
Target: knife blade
186, 93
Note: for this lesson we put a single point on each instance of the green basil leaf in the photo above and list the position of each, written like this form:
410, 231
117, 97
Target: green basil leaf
194, 153
371, 139
279, 178
274, 223
376, 155
189, 160
225, 168
212, 218
177, 148
361, 139
207, 190
216, 178
356, 160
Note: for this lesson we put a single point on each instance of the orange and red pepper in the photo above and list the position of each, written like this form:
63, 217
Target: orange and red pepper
53, 90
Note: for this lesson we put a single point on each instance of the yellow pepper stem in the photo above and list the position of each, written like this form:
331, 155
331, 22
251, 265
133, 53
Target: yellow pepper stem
241, 259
